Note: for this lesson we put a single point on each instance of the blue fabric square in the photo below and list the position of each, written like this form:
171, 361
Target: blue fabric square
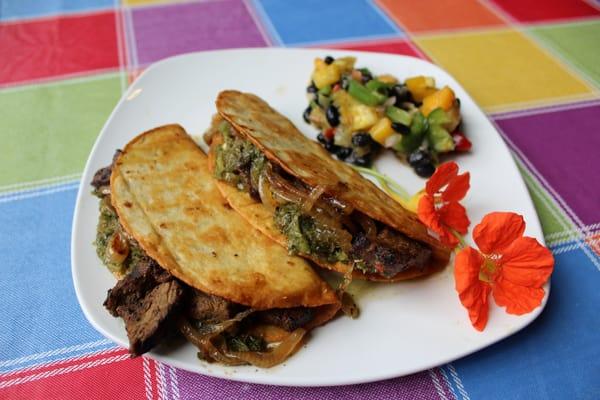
13, 9
557, 356
312, 21
40, 312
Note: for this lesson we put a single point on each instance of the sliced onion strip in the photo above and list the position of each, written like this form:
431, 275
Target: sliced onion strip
277, 355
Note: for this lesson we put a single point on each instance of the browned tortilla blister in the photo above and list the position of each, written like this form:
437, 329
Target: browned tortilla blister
284, 145
167, 200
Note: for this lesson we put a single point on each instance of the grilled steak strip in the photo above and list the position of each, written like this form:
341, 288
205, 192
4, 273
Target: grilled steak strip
148, 300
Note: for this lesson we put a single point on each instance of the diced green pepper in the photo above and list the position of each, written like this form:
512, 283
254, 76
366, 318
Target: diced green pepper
364, 95
413, 140
326, 90
398, 115
438, 117
323, 100
439, 139
375, 84
419, 124
365, 71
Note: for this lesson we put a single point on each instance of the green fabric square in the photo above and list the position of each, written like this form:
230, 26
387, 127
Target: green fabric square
48, 130
578, 43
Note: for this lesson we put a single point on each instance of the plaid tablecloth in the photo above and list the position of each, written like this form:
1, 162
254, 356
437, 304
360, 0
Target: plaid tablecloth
534, 66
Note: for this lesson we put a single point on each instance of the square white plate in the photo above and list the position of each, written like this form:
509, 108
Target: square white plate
404, 327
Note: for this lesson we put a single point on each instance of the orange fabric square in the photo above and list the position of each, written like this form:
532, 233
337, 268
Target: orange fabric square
430, 15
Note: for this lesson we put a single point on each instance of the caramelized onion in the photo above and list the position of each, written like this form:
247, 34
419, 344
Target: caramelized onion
117, 249
349, 307
283, 189
313, 197
202, 338
275, 356
264, 191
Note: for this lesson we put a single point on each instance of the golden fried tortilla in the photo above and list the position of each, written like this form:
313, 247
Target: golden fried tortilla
167, 200
284, 145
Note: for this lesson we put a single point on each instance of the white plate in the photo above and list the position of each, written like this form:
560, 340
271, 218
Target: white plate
404, 327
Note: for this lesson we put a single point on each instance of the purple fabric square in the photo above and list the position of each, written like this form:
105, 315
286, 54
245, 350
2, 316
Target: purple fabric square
164, 31
417, 386
564, 146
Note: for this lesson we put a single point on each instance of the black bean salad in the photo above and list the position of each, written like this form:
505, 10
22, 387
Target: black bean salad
358, 114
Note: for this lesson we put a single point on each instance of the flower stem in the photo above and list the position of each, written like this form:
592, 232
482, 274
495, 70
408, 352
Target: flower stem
385, 181
461, 240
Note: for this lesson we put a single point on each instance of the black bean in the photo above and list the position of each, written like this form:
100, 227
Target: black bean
343, 152
330, 147
402, 94
311, 88
400, 128
306, 114
321, 138
425, 170
458, 101
419, 157
333, 115
329, 60
361, 139
362, 161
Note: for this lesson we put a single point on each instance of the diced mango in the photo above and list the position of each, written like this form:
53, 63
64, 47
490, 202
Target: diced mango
420, 87
386, 78
443, 98
353, 114
345, 64
325, 74
363, 116
382, 130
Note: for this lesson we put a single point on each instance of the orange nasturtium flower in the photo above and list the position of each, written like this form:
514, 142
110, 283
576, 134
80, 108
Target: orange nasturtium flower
439, 208
510, 266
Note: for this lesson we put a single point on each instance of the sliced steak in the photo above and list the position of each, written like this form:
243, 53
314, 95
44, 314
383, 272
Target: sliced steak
287, 318
206, 307
148, 300
101, 178
153, 317
390, 253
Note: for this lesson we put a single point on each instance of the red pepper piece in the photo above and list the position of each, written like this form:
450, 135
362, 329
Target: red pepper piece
461, 142
329, 133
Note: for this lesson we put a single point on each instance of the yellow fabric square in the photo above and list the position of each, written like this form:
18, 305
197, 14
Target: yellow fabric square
503, 69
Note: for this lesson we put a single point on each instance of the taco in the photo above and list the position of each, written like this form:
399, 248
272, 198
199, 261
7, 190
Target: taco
191, 265
289, 188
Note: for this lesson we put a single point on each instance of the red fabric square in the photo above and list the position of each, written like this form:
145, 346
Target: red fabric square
59, 46
389, 46
108, 375
535, 10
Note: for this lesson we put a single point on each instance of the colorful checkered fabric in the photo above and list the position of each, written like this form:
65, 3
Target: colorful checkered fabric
533, 66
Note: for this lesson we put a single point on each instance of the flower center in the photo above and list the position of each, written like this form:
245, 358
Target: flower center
488, 270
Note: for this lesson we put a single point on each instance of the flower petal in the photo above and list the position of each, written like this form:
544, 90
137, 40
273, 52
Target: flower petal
497, 230
429, 216
517, 299
527, 263
457, 188
472, 292
441, 177
454, 215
